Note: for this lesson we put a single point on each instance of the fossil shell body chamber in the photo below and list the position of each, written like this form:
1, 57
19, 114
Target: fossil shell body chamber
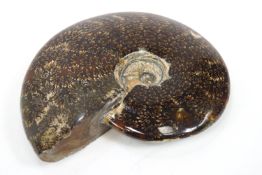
148, 76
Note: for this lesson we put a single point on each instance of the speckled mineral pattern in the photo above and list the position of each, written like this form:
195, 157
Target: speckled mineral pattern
149, 76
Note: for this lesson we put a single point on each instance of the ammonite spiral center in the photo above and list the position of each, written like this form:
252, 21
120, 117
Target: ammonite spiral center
137, 68
141, 68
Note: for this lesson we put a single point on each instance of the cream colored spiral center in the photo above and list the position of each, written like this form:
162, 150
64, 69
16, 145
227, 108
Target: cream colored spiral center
141, 68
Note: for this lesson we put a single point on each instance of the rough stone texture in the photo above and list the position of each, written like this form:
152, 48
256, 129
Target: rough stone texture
70, 86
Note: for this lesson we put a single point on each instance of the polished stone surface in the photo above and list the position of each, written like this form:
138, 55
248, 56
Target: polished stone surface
149, 76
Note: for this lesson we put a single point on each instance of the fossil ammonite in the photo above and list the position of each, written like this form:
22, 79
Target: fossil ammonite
146, 75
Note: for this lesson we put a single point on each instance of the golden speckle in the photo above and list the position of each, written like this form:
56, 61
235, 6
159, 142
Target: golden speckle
118, 17
50, 95
57, 126
181, 114
110, 94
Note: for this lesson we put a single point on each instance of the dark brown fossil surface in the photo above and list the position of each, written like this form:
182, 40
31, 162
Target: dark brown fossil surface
149, 76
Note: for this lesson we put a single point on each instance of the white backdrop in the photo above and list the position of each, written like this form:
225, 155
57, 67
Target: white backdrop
232, 146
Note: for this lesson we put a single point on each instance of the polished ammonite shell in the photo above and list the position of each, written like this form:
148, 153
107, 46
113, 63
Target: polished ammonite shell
149, 76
